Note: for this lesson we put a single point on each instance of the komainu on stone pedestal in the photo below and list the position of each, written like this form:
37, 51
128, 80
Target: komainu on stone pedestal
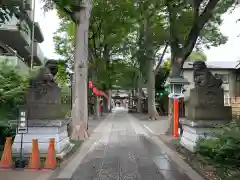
205, 107
46, 114
44, 95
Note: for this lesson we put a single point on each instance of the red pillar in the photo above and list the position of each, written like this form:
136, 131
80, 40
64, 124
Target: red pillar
176, 117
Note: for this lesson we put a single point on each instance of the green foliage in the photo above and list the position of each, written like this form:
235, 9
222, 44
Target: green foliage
105, 40
148, 33
210, 34
124, 74
136, 30
197, 55
64, 40
223, 151
62, 75
161, 78
66, 95
12, 91
119, 74
193, 24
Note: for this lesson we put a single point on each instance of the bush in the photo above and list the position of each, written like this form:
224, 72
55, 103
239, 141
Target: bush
12, 91
224, 150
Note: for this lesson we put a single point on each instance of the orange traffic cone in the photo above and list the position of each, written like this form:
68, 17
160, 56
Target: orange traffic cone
34, 160
51, 161
6, 160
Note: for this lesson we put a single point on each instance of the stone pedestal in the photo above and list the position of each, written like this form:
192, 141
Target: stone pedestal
206, 111
43, 131
193, 131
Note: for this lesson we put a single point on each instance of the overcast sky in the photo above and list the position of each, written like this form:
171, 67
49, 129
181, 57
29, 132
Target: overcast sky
227, 52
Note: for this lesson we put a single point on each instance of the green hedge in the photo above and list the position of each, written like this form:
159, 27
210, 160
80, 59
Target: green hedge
223, 151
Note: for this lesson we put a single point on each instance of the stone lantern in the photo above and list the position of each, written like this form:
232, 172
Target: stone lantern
175, 86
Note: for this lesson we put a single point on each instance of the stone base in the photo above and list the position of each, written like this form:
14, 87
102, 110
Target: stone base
193, 131
209, 113
43, 131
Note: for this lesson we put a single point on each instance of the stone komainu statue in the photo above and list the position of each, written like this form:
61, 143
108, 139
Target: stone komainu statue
203, 77
44, 79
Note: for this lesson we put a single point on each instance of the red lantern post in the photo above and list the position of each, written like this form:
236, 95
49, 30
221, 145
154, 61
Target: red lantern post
176, 117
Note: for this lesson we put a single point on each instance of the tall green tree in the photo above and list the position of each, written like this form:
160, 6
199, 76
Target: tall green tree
191, 24
150, 36
105, 40
79, 12
106, 37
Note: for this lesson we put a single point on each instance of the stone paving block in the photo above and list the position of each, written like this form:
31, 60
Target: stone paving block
123, 154
128, 166
87, 170
109, 169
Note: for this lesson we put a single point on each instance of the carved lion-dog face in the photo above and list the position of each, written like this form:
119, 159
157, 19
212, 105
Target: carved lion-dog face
53, 66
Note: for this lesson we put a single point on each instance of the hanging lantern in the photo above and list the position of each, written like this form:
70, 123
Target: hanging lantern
97, 92
94, 90
90, 84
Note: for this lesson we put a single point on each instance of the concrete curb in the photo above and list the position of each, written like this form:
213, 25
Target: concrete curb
175, 157
67, 171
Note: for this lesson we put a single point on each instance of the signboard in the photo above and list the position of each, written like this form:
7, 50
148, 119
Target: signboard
22, 123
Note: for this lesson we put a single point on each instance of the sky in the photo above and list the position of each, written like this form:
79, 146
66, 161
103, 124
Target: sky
230, 51
49, 23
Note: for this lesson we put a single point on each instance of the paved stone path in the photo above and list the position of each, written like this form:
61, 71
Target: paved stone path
121, 153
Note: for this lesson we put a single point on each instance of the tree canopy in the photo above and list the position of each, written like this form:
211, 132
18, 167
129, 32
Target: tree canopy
194, 24
197, 55
12, 91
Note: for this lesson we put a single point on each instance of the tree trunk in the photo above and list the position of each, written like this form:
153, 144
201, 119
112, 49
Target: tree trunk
96, 106
176, 67
105, 103
106, 58
80, 102
109, 100
152, 111
132, 99
139, 97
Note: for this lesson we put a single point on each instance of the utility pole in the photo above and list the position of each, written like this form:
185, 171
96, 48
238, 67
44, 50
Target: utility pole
80, 79
33, 32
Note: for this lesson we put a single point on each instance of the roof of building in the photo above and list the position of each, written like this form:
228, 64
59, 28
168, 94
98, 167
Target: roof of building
216, 65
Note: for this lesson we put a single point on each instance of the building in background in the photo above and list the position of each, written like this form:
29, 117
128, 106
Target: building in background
15, 39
